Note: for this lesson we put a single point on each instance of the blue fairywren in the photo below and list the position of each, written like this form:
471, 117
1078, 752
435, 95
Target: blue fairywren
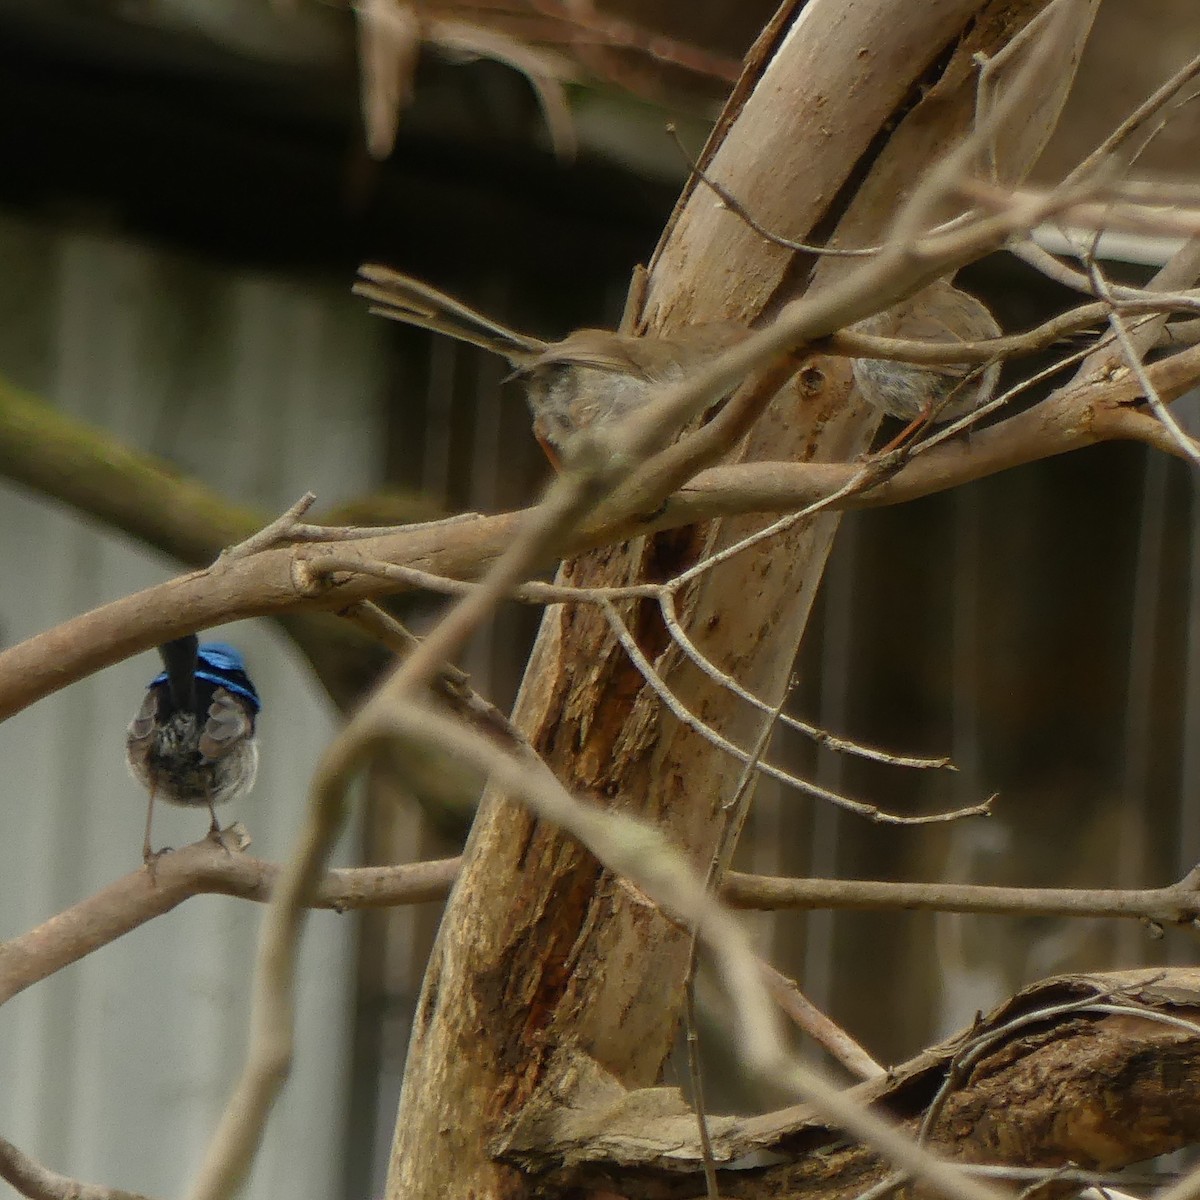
192, 741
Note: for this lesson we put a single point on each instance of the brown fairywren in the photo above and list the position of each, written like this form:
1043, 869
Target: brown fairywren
590, 377
920, 392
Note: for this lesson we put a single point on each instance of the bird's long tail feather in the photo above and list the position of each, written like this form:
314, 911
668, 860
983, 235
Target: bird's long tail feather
179, 658
403, 298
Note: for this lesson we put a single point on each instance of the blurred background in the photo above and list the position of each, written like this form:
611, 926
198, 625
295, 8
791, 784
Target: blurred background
185, 197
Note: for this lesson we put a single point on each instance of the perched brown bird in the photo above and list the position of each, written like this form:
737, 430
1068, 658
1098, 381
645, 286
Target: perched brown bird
590, 377
920, 392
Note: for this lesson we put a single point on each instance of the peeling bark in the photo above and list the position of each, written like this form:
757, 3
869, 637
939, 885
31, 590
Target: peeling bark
1098, 1090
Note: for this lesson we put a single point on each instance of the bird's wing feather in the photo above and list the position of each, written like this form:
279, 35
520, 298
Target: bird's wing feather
142, 725
228, 723
927, 327
593, 348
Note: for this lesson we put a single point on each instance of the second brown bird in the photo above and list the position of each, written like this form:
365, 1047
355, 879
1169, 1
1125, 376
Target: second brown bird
918, 392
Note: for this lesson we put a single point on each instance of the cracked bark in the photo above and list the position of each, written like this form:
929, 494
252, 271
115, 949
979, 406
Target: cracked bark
1096, 1090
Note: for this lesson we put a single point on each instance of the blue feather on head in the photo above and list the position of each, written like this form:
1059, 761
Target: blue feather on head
221, 664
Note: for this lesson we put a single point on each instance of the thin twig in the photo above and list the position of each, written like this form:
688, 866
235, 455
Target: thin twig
821, 737
686, 717
1101, 158
885, 1187
692, 1041
274, 533
451, 682
532, 592
953, 428
1148, 1179
536, 592
827, 1034
1084, 212
731, 816
356, 533
851, 343
862, 480
739, 210
31, 1179
1054, 269
288, 527
1134, 361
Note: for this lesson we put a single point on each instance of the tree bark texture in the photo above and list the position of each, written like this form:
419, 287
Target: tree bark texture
1099, 1090
541, 953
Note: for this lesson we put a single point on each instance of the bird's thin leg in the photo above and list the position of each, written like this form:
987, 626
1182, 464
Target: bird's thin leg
909, 432
550, 452
215, 832
148, 855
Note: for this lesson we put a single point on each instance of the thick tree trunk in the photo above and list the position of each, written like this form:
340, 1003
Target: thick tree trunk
540, 948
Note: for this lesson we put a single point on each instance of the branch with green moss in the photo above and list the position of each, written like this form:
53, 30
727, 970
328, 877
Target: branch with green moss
77, 464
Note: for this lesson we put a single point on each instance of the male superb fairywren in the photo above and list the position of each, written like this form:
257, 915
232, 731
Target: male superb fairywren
192, 741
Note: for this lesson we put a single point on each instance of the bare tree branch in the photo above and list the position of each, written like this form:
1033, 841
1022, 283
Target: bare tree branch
825, 1032
1175, 904
31, 1179
672, 703
199, 869
205, 869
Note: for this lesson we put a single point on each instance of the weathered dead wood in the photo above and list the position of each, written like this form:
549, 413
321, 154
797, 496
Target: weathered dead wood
539, 949
1098, 1090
